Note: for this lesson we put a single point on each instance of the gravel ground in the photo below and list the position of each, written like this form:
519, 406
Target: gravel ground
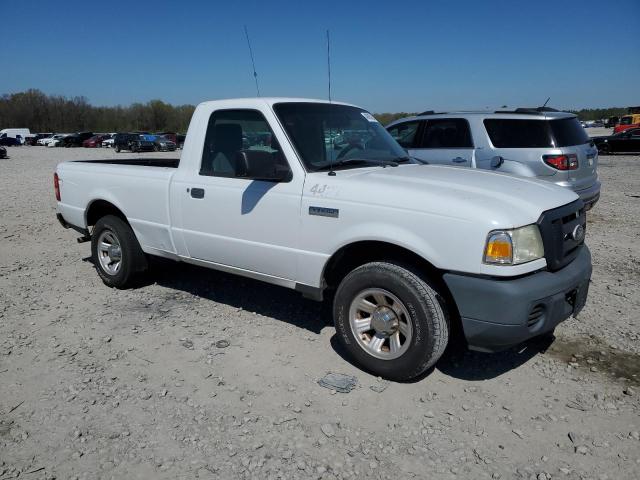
199, 374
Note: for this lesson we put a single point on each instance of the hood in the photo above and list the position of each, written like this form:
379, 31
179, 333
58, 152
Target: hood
504, 200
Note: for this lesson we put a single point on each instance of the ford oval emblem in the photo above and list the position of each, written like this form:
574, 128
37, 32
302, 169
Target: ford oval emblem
578, 233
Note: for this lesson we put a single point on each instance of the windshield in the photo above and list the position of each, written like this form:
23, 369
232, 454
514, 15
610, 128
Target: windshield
346, 136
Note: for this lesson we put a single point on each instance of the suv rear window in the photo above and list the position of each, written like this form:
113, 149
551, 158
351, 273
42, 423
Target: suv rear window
568, 132
510, 133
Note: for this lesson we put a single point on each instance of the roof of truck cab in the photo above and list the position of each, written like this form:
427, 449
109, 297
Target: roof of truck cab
270, 101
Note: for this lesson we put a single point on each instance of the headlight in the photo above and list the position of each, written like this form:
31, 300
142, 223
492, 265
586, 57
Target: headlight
513, 247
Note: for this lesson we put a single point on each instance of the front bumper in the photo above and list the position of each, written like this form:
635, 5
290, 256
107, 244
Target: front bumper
497, 314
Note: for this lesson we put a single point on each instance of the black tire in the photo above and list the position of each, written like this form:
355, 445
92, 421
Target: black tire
427, 313
133, 260
604, 149
117, 148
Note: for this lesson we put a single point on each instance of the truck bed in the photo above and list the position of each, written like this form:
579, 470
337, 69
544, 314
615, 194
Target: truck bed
146, 162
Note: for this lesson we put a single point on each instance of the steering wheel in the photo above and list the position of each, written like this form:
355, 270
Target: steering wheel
348, 148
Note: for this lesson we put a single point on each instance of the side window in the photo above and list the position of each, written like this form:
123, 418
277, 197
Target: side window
405, 133
447, 133
231, 132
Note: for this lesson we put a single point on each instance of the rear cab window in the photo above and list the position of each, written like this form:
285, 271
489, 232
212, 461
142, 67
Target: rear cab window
528, 133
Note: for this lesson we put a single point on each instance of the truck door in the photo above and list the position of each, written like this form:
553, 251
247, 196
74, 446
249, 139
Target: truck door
235, 221
445, 141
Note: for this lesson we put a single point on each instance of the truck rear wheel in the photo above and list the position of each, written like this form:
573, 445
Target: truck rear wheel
116, 252
392, 322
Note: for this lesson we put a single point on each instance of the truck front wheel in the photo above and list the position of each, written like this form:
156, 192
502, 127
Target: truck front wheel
391, 320
116, 252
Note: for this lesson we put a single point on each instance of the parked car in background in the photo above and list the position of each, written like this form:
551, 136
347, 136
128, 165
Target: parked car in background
169, 135
56, 140
94, 142
107, 142
43, 141
164, 144
612, 122
133, 142
7, 141
15, 133
3, 152
180, 140
34, 138
625, 141
540, 143
627, 122
76, 139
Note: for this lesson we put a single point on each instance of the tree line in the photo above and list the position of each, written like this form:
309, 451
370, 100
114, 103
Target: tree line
54, 113
39, 112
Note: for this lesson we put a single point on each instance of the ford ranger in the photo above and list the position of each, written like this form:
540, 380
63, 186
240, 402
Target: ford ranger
318, 197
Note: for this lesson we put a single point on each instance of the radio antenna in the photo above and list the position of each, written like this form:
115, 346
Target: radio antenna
331, 137
545, 103
253, 63
329, 63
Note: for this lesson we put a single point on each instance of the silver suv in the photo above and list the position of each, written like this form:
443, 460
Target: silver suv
540, 143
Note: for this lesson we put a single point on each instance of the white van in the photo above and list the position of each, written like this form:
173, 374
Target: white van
14, 132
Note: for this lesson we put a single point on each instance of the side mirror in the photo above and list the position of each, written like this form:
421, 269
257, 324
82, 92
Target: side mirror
261, 165
496, 162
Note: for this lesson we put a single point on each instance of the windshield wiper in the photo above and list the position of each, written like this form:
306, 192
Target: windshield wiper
359, 161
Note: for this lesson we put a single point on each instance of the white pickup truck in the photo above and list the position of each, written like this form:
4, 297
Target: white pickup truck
318, 197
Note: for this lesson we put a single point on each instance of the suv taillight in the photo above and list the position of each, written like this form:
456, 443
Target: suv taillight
56, 186
562, 162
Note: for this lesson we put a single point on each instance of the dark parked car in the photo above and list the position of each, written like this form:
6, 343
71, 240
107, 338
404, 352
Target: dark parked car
164, 144
625, 141
180, 140
612, 122
76, 139
3, 152
7, 141
133, 142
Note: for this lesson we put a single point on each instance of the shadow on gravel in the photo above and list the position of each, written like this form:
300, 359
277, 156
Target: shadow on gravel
474, 366
250, 295
289, 306
463, 364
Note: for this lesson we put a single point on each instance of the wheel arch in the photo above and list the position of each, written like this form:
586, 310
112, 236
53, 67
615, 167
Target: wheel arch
355, 254
98, 208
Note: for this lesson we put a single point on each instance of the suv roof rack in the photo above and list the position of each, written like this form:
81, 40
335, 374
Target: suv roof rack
427, 112
529, 110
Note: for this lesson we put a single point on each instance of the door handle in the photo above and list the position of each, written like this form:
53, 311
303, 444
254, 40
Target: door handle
197, 192
459, 160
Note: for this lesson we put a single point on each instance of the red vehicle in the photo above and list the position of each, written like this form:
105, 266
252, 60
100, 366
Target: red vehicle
95, 141
627, 122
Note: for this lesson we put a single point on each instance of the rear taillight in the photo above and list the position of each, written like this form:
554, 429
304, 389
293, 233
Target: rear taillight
561, 162
56, 186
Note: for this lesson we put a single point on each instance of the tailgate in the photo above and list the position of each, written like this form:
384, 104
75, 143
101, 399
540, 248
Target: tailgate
586, 173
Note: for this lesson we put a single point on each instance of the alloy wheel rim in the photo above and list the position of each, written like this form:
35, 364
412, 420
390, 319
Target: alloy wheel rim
109, 252
380, 323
